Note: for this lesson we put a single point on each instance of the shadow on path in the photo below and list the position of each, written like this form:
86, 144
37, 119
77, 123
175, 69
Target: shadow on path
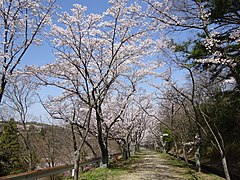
150, 166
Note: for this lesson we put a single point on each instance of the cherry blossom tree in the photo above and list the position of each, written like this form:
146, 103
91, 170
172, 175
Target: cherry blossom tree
211, 32
95, 53
129, 128
113, 108
21, 23
69, 109
190, 101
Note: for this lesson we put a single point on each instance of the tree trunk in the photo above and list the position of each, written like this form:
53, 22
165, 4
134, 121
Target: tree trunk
175, 148
225, 167
134, 148
76, 164
27, 143
128, 149
164, 148
163, 143
76, 155
197, 159
104, 150
124, 150
2, 87
104, 162
137, 147
31, 164
197, 152
184, 154
101, 141
103, 147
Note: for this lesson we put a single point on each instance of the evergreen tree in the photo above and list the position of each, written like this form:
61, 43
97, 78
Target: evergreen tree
10, 150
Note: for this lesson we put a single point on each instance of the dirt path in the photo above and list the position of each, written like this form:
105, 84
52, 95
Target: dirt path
150, 166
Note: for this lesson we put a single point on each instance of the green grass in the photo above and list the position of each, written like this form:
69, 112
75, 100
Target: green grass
101, 173
115, 169
188, 169
173, 161
125, 164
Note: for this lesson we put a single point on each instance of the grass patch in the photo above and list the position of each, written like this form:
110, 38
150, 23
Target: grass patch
178, 163
173, 161
188, 170
125, 164
99, 174
116, 168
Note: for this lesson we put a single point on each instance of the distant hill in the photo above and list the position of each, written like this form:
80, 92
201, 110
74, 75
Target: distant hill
31, 124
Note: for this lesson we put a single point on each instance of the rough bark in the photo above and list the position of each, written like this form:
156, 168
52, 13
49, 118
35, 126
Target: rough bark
103, 146
124, 151
104, 162
128, 149
76, 164
175, 148
2, 88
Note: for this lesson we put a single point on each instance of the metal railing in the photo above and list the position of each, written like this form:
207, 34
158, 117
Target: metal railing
40, 173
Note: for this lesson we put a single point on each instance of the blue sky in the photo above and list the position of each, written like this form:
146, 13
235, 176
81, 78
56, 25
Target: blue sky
43, 54
94, 6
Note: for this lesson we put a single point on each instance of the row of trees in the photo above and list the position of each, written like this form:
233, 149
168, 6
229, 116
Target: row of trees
100, 62
210, 56
104, 60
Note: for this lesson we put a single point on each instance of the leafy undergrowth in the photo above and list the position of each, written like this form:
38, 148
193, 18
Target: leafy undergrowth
189, 170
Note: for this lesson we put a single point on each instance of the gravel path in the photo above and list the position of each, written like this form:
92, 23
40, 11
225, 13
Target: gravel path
149, 165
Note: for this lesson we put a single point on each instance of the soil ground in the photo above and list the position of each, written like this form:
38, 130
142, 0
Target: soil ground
151, 165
